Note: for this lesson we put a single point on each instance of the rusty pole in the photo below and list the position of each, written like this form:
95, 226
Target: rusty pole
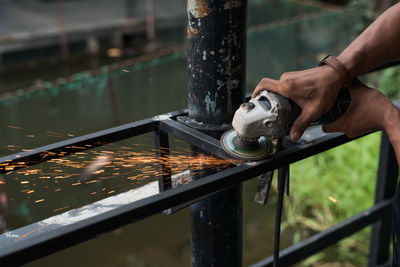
216, 36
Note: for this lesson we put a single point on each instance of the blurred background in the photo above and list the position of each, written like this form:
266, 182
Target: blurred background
72, 67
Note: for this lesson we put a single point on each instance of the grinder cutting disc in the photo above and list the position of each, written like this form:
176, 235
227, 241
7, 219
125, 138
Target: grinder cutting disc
256, 151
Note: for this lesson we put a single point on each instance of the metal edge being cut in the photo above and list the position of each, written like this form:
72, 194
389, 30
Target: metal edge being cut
264, 144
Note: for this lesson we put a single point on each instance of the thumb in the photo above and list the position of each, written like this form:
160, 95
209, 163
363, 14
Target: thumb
332, 127
300, 124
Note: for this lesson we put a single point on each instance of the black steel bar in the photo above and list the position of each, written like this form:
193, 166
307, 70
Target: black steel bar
320, 241
162, 153
385, 189
81, 143
29, 249
194, 137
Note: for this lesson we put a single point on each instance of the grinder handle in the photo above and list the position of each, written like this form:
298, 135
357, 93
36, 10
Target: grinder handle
340, 107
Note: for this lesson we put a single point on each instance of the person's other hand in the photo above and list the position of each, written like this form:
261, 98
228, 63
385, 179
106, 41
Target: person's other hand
314, 90
369, 111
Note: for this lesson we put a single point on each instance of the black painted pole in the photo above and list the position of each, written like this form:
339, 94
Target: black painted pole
216, 36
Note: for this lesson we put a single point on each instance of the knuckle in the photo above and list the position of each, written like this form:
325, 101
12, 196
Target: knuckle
261, 84
263, 80
284, 75
287, 84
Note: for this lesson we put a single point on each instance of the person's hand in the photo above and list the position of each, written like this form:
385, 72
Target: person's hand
314, 90
369, 111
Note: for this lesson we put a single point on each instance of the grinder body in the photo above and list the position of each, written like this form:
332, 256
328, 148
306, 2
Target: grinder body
260, 124
268, 114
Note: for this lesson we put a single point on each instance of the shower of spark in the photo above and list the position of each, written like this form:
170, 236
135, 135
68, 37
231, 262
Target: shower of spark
89, 171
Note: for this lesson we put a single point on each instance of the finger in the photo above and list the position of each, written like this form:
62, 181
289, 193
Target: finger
257, 90
332, 127
301, 123
266, 84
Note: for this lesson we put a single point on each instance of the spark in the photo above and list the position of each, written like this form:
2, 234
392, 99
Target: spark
24, 182
332, 199
39, 200
30, 232
14, 127
195, 97
55, 136
125, 70
66, 207
107, 152
80, 147
30, 191
30, 135
54, 133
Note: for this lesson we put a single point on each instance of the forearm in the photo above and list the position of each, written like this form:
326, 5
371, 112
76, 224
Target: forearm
392, 129
378, 44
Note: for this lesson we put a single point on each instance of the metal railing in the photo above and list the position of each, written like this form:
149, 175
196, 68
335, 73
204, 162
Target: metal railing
48, 236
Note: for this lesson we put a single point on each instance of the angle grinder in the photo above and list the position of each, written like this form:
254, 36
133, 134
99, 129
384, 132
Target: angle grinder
260, 124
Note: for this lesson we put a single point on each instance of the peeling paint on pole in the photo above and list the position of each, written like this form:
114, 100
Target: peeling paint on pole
198, 8
216, 59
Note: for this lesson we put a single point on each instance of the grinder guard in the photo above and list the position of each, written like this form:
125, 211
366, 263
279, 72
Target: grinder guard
268, 114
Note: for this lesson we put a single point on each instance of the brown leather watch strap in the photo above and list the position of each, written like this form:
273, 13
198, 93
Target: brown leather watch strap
335, 64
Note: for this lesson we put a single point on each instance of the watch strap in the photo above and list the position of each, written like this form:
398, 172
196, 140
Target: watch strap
335, 64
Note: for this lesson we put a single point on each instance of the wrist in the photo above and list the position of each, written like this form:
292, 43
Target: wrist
351, 62
391, 122
335, 64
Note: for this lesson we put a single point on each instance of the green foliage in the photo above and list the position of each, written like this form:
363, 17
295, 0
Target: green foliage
331, 187
367, 14
389, 82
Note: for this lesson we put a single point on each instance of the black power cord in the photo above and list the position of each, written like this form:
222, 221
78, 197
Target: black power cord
282, 176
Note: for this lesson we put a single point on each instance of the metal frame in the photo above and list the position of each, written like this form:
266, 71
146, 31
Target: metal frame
60, 237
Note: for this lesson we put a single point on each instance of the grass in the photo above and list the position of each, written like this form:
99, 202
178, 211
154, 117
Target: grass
329, 188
